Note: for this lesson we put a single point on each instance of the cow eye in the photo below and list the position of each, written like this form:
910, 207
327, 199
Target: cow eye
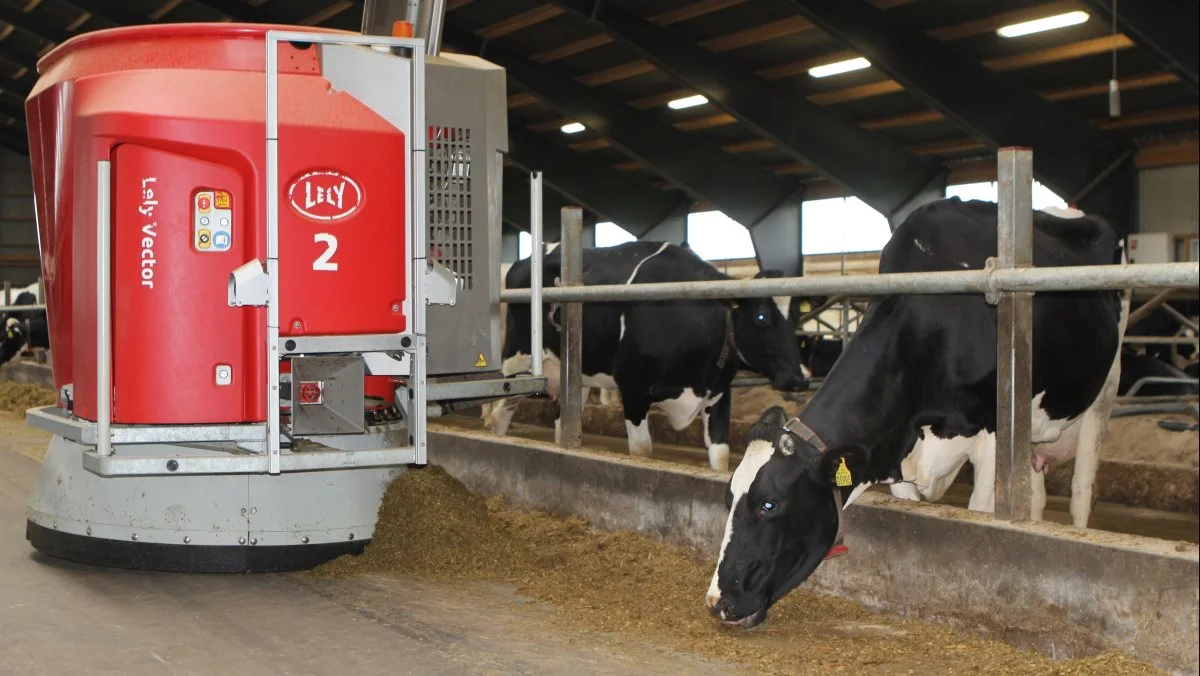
767, 506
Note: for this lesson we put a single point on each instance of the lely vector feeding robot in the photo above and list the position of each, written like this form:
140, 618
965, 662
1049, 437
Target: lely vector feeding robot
268, 253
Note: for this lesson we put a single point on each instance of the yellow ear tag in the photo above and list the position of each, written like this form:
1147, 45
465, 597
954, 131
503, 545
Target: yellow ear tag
842, 475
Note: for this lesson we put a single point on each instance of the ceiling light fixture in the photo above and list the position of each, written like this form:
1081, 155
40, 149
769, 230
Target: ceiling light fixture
687, 102
1047, 23
839, 67
573, 128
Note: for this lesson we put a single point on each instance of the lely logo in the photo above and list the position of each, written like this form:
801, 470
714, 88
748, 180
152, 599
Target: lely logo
325, 195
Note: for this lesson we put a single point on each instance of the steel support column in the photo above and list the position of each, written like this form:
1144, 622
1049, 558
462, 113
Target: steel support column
1075, 159
570, 396
880, 171
777, 240
671, 229
741, 188
632, 204
1165, 28
1014, 338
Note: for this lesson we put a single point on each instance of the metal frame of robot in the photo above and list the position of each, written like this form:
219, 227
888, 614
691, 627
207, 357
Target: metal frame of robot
1008, 281
262, 440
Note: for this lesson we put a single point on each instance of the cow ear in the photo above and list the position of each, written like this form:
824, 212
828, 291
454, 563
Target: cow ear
842, 466
787, 446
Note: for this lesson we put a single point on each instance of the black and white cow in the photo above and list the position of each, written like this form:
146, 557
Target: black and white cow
1135, 367
22, 329
677, 355
920, 375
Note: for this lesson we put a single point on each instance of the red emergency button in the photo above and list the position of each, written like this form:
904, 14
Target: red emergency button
204, 203
310, 393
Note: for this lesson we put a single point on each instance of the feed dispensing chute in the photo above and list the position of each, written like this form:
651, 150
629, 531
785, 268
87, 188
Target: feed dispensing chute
269, 253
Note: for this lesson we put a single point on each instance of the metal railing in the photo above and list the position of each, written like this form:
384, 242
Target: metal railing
1007, 281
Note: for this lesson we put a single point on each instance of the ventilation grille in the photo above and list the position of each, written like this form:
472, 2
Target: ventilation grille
450, 212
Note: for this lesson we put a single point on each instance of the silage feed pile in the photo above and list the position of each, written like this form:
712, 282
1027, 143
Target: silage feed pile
16, 398
610, 586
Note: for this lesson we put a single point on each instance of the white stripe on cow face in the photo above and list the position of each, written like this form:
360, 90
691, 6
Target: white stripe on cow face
758, 452
783, 303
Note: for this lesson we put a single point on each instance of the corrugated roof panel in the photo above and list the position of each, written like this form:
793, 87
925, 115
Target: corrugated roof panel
785, 49
555, 32
474, 16
1088, 70
603, 57
920, 134
733, 19
641, 86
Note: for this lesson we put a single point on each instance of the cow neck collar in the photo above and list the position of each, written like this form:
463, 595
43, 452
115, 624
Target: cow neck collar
807, 434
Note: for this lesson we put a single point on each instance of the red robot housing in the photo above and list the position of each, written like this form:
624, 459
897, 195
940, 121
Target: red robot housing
179, 111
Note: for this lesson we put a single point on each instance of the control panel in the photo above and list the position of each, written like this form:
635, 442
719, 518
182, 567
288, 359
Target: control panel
212, 221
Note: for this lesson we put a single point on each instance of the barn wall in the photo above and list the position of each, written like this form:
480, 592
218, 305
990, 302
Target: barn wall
18, 230
1170, 199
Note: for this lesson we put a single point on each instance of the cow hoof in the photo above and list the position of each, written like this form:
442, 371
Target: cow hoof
641, 451
906, 491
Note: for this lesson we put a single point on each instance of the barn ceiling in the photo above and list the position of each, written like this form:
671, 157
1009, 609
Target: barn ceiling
942, 92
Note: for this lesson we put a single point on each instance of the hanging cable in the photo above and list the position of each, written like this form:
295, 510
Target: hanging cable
1114, 91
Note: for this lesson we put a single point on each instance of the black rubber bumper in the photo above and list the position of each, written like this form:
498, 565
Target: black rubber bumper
182, 558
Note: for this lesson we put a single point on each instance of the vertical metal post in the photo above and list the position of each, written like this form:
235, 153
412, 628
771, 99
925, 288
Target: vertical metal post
538, 244
1014, 337
7, 293
570, 398
436, 11
103, 308
419, 229
272, 351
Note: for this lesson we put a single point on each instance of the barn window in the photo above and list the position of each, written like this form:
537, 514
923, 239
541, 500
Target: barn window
842, 224
525, 245
988, 190
714, 236
611, 234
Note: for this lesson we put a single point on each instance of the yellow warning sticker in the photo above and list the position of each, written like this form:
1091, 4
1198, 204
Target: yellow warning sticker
480, 361
842, 475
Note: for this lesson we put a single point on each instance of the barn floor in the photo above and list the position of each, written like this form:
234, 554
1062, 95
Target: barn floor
58, 618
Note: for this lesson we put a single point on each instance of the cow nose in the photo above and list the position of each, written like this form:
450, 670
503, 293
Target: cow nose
711, 600
721, 610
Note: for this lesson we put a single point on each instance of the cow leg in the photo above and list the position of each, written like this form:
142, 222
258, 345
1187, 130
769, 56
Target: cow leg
1037, 488
637, 423
933, 465
983, 457
1093, 431
716, 419
499, 417
1087, 459
906, 488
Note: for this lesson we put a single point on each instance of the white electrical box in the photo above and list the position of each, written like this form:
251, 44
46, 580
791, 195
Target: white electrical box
1151, 247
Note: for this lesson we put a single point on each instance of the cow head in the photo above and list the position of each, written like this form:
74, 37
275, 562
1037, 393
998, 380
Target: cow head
783, 519
11, 340
766, 341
